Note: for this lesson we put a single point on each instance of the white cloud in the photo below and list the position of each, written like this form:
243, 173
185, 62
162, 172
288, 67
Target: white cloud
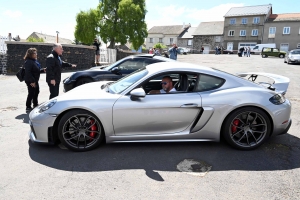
30, 21
177, 15
13, 14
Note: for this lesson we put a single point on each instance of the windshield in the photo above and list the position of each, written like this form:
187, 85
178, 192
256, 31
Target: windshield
127, 81
295, 52
115, 64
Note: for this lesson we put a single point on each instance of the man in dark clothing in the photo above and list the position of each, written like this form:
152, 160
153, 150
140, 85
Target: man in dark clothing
53, 71
97, 53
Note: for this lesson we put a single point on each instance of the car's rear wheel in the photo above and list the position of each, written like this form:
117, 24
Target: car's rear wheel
80, 130
83, 81
264, 56
281, 55
246, 128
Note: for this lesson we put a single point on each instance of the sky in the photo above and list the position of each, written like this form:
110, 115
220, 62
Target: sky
22, 17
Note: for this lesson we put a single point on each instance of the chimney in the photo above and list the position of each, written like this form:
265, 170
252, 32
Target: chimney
9, 36
183, 25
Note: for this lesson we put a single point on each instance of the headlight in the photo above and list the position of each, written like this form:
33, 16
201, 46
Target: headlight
277, 99
47, 105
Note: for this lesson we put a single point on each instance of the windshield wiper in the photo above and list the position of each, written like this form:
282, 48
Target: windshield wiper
106, 85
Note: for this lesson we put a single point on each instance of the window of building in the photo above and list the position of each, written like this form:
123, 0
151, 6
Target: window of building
244, 21
272, 30
151, 40
286, 30
190, 42
218, 38
242, 32
255, 32
256, 20
231, 33
160, 40
232, 21
171, 40
298, 46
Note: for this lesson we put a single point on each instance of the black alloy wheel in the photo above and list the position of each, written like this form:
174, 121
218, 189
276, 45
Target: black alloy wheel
246, 128
80, 130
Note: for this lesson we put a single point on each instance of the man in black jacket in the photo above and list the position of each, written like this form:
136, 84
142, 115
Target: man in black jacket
53, 71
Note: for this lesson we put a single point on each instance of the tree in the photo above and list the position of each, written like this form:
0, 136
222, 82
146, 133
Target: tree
33, 39
159, 46
115, 21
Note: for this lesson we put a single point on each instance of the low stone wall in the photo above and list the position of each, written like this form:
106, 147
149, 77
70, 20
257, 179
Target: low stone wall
80, 55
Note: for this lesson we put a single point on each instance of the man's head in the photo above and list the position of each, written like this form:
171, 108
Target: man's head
174, 45
166, 83
58, 48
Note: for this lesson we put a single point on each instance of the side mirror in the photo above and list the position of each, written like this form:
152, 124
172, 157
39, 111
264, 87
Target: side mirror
137, 93
116, 70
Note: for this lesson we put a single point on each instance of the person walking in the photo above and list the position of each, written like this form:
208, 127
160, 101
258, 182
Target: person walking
173, 52
97, 53
202, 50
54, 65
150, 51
32, 76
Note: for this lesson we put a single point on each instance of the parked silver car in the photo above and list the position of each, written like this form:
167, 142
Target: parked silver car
292, 56
207, 104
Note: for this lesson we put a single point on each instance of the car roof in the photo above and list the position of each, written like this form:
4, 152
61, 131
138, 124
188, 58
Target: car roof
153, 56
180, 66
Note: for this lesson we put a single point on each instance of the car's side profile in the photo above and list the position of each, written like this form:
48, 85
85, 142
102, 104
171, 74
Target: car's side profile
266, 52
206, 105
112, 72
293, 56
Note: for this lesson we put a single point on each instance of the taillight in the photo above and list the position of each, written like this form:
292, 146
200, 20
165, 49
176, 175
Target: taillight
277, 99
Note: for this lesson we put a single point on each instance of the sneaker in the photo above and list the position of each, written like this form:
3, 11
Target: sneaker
35, 105
28, 108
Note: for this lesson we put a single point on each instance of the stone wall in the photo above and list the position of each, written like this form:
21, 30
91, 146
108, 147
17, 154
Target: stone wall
199, 41
3, 61
80, 55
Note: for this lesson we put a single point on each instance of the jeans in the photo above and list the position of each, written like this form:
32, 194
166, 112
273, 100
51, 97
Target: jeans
54, 90
33, 93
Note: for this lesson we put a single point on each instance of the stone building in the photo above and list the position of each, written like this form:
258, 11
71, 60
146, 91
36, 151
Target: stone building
186, 38
208, 35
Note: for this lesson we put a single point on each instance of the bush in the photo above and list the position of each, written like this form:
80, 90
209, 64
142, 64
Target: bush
159, 46
32, 39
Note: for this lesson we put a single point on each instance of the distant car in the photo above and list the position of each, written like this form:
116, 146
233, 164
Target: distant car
293, 56
226, 51
112, 72
272, 52
184, 50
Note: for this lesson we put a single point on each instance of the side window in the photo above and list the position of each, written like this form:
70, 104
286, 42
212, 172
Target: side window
267, 50
134, 64
207, 82
275, 50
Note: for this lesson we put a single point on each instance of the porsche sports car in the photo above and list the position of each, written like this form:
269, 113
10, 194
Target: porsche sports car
112, 72
207, 104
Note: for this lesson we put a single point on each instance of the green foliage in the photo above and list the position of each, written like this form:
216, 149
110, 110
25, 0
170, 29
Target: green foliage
33, 39
160, 46
143, 48
115, 21
87, 26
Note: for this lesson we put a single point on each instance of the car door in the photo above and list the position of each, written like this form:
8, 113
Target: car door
155, 114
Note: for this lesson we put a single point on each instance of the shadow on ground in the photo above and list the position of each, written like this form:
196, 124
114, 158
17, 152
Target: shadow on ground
274, 155
24, 117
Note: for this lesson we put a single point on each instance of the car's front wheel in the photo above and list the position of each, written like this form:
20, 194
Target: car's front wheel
264, 56
246, 128
80, 130
281, 55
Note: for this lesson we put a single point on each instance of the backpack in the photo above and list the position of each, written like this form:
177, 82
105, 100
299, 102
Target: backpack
21, 74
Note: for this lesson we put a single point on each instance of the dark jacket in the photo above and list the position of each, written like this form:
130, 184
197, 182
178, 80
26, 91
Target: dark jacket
97, 45
32, 71
53, 71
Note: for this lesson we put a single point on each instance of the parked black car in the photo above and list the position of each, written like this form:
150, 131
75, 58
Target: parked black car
112, 72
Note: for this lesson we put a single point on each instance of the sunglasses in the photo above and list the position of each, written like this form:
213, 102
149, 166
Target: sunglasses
164, 83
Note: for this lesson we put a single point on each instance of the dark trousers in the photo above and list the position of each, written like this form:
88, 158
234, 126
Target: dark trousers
33, 93
54, 90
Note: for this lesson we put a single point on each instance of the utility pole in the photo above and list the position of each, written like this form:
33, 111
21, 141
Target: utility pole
57, 36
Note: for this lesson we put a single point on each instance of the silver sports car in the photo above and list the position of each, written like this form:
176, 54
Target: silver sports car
204, 105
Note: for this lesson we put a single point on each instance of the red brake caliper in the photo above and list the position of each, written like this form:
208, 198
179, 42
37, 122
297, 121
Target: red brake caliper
234, 126
93, 128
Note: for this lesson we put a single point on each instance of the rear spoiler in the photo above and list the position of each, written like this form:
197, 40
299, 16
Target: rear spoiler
280, 84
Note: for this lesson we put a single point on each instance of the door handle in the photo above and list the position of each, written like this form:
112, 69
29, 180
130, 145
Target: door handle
189, 105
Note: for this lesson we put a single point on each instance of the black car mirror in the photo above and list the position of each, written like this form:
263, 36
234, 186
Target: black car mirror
116, 70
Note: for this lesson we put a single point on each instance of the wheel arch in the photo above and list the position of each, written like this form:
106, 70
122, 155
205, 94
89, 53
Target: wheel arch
247, 106
58, 118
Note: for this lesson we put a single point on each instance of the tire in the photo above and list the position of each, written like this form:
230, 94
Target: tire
80, 130
284, 61
242, 131
281, 55
264, 56
83, 81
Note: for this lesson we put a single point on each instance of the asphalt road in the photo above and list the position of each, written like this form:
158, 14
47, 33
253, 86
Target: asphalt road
149, 170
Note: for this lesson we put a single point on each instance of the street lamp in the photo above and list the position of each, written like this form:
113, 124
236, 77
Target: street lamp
57, 36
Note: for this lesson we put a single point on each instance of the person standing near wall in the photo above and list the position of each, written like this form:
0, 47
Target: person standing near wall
97, 53
32, 76
53, 72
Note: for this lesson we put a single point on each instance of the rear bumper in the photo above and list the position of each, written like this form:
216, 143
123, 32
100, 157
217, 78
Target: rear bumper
287, 128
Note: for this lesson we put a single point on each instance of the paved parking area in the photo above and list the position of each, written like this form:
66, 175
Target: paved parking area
148, 171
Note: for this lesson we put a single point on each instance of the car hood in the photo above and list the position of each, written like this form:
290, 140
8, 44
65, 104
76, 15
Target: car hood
87, 91
97, 68
296, 56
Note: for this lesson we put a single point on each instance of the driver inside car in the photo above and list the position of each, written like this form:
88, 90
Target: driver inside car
167, 86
